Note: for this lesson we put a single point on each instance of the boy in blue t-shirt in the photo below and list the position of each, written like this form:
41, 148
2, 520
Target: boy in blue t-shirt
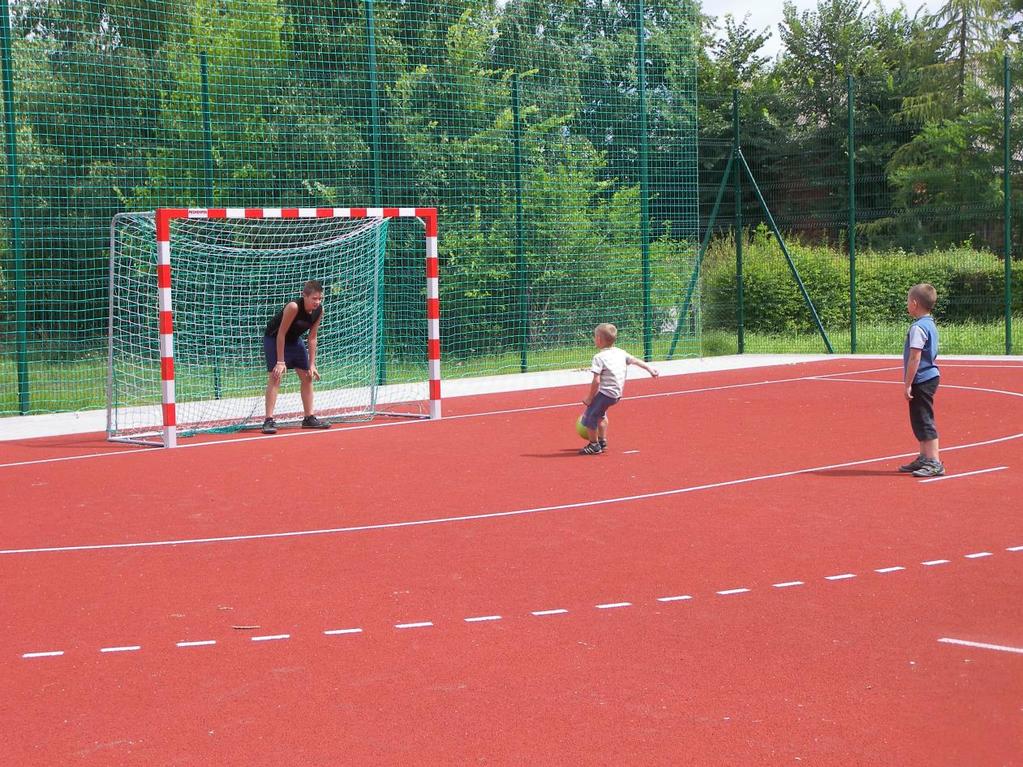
921, 376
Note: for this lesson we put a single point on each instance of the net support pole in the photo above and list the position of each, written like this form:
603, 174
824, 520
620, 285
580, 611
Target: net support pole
850, 92
14, 201
1007, 201
740, 298
644, 182
163, 278
520, 229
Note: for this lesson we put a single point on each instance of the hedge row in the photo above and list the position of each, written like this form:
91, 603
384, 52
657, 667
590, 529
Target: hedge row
970, 285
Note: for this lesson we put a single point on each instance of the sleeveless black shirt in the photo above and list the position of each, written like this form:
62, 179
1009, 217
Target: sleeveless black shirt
302, 322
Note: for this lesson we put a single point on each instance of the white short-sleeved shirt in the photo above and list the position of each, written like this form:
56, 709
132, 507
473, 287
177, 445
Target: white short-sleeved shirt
917, 337
610, 364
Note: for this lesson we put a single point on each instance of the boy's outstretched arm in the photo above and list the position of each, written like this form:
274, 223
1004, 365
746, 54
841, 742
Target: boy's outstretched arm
640, 363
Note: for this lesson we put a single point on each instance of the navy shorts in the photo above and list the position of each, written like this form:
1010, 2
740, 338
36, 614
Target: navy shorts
595, 411
921, 410
295, 353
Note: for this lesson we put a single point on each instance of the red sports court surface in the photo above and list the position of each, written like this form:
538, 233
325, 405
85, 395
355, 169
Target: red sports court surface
743, 579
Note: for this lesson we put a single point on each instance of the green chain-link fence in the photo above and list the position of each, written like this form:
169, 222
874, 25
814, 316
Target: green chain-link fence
560, 143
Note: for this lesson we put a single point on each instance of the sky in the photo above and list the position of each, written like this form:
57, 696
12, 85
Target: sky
768, 13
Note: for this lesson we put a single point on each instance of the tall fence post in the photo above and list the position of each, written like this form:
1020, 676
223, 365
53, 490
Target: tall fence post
850, 96
740, 309
207, 189
1007, 201
644, 181
14, 203
520, 228
374, 122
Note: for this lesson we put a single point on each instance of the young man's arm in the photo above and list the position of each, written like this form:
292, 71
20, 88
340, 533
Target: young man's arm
312, 349
594, 388
640, 363
911, 367
290, 312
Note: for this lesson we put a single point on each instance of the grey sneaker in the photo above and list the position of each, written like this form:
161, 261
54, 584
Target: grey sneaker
913, 465
312, 422
930, 469
269, 426
593, 448
602, 443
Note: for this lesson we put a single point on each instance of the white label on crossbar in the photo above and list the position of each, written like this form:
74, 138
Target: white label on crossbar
198, 213
271, 212
407, 212
375, 212
235, 212
343, 212
307, 212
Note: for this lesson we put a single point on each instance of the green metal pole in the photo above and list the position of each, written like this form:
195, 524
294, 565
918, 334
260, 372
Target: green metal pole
740, 318
520, 231
788, 257
374, 120
14, 201
644, 182
851, 92
1007, 205
207, 189
374, 101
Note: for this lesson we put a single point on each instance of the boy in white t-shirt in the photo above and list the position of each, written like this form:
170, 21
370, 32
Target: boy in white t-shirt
609, 370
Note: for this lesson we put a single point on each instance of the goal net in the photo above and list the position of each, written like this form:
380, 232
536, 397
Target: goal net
192, 290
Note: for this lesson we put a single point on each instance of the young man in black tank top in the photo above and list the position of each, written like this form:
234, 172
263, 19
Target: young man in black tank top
284, 349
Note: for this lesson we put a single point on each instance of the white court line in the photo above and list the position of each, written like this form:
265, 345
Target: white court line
516, 512
890, 569
202, 643
788, 584
419, 625
49, 654
728, 592
126, 648
1015, 548
271, 638
679, 598
842, 577
982, 645
338, 632
933, 562
559, 611
483, 618
979, 555
964, 474
612, 605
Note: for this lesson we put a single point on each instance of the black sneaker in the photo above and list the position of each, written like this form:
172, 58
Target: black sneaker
930, 469
602, 443
269, 427
593, 448
913, 465
312, 422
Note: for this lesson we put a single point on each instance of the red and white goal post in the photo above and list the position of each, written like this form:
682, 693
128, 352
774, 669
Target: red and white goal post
166, 221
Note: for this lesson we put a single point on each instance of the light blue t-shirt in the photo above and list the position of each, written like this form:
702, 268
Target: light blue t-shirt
922, 335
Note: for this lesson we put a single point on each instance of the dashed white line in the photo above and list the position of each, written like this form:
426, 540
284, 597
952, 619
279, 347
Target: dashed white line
559, 611
483, 618
890, 569
419, 625
271, 637
1015, 548
726, 592
787, 584
48, 654
979, 555
982, 645
612, 605
201, 643
842, 577
126, 648
678, 598
337, 632
932, 562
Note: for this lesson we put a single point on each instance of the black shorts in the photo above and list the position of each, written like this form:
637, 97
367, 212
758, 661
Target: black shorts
296, 355
921, 410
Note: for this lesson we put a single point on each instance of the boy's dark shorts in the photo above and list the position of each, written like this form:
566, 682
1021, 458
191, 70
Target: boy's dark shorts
595, 410
295, 353
921, 410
